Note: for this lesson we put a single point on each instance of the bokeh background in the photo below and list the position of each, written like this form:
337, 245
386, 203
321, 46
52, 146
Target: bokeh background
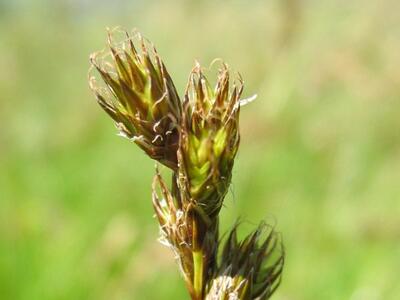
319, 158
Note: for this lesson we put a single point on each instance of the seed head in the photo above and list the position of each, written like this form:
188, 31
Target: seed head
174, 224
209, 138
139, 96
198, 140
181, 230
250, 269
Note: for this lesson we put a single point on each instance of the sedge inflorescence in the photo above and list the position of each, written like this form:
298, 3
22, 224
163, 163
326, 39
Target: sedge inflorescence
197, 138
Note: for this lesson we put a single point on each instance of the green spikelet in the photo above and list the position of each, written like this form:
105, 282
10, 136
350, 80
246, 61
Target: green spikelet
209, 138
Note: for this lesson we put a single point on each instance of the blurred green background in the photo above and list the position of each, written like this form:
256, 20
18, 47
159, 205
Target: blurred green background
320, 151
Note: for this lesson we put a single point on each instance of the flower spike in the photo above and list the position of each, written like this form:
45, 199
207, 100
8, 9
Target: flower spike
140, 96
197, 139
209, 138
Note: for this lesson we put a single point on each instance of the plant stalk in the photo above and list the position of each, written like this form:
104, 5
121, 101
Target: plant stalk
198, 266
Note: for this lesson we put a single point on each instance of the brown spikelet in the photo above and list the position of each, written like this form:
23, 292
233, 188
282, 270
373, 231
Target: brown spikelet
251, 268
140, 97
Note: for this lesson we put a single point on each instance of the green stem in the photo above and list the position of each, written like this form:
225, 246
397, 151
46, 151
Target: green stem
198, 273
